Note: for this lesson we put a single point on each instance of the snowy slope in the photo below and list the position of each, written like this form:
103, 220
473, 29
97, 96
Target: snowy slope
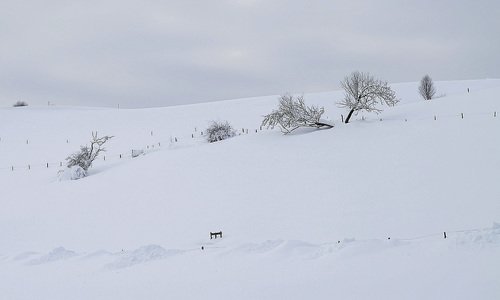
357, 211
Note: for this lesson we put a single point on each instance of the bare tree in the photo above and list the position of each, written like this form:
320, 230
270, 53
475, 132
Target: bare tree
218, 131
88, 154
292, 113
426, 88
364, 92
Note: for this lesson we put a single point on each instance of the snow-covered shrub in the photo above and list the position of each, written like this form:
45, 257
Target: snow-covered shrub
293, 113
72, 173
88, 154
81, 158
218, 131
19, 104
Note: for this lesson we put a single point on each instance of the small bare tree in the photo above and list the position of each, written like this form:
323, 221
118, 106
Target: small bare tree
364, 92
218, 131
87, 154
292, 113
426, 88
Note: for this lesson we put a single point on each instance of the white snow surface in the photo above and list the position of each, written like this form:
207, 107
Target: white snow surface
358, 211
71, 173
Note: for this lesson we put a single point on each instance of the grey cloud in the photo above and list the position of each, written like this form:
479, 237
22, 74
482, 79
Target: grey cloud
157, 53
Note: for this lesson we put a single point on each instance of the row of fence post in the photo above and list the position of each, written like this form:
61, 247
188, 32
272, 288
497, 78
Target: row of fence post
175, 139
246, 130
47, 165
406, 120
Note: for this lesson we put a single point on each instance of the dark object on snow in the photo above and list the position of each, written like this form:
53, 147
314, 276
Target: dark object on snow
20, 103
202, 248
215, 234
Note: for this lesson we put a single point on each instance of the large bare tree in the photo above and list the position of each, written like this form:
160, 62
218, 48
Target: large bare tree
364, 92
293, 113
426, 88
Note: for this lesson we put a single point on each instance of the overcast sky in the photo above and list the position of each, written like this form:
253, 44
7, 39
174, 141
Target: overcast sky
170, 52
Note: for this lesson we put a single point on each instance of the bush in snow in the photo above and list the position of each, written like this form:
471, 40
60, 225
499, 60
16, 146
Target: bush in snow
137, 152
364, 92
426, 88
72, 173
20, 103
293, 113
218, 131
88, 154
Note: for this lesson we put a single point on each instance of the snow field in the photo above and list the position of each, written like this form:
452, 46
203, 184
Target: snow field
134, 228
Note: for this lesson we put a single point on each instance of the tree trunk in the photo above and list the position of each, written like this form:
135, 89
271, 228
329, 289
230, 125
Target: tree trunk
349, 116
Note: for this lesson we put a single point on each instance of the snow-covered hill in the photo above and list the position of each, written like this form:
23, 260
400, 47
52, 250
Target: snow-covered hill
355, 212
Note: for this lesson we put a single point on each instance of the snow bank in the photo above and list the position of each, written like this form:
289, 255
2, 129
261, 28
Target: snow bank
72, 173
